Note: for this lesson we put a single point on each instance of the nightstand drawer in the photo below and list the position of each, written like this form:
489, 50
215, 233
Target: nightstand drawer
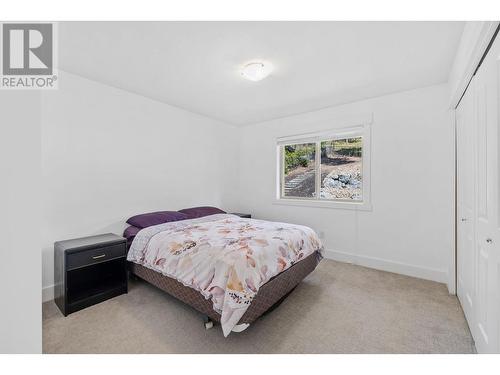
93, 256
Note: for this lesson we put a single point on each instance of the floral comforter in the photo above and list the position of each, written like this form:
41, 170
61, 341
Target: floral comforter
225, 257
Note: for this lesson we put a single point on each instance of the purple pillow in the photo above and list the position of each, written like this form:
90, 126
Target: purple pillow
131, 232
155, 218
195, 212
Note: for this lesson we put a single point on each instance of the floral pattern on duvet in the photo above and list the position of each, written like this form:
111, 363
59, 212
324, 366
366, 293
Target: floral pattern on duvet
225, 257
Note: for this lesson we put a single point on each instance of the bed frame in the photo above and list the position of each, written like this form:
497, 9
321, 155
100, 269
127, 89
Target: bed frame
269, 295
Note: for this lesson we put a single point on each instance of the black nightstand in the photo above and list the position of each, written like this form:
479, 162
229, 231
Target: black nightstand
89, 270
246, 216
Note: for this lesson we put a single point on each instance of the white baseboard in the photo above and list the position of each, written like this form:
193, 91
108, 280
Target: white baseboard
388, 265
48, 293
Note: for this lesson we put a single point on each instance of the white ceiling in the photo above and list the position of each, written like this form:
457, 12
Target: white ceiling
195, 65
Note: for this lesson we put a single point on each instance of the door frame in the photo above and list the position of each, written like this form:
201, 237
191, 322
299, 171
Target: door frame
476, 38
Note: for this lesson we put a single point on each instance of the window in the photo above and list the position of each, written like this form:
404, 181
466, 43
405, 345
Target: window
325, 169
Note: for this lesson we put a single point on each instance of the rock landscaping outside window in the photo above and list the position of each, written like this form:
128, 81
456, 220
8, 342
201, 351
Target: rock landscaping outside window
341, 166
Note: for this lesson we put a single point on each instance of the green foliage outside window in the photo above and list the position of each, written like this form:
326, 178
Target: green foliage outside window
298, 156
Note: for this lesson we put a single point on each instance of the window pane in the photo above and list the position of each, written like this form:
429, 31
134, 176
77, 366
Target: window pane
341, 169
299, 168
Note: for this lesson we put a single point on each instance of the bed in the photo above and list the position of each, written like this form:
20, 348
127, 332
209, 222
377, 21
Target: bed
231, 269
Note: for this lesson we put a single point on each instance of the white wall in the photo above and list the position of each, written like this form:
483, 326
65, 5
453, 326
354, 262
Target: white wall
20, 271
109, 154
410, 229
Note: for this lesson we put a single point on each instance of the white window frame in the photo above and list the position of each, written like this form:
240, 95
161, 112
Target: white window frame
343, 130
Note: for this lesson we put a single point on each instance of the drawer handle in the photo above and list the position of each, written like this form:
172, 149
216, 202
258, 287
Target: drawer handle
99, 256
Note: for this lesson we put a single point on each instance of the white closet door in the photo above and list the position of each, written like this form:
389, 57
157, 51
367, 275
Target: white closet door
478, 203
487, 317
465, 123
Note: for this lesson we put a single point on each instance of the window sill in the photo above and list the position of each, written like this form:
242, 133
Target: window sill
357, 206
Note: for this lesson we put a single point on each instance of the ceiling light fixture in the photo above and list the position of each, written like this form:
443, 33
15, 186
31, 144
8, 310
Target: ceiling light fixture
256, 71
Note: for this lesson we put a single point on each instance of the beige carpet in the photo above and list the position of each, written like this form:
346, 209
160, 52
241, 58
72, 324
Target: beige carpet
339, 308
